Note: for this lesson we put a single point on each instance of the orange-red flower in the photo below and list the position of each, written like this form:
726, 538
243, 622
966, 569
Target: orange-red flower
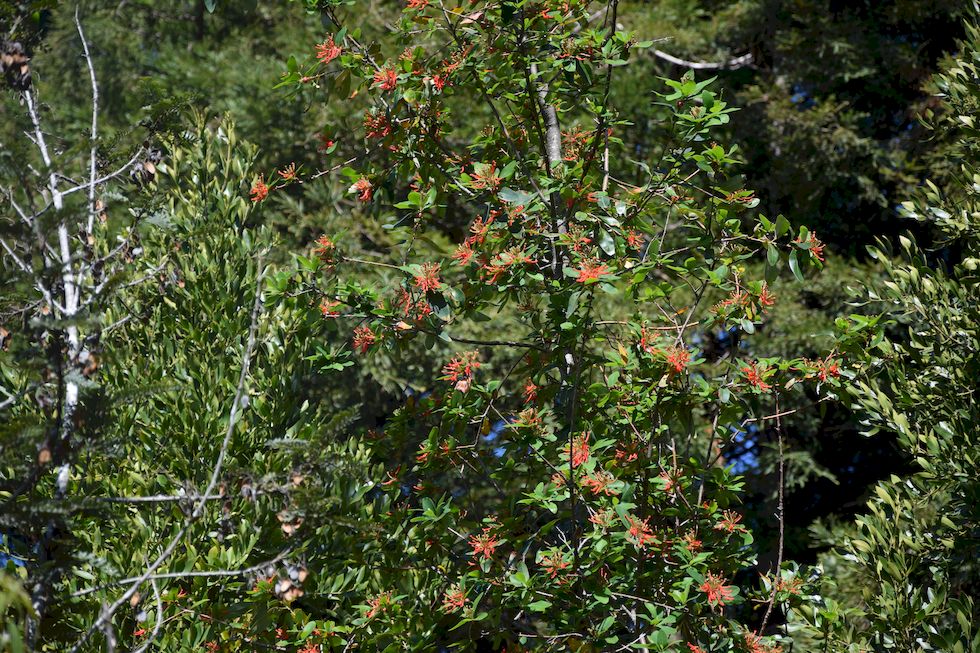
591, 271
364, 189
816, 246
578, 450
602, 518
328, 50
530, 392
600, 483
486, 180
363, 338
376, 125
718, 593
730, 522
378, 604
460, 370
328, 308
386, 79
464, 254
554, 563
755, 377
428, 278
484, 544
411, 307
288, 173
691, 542
325, 143
766, 298
640, 533
826, 368
678, 358
259, 190
440, 81
454, 599
324, 249
417, 5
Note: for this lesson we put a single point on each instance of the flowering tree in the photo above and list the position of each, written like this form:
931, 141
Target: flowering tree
561, 484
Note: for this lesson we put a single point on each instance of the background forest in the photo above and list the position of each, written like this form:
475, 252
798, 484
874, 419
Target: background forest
334, 325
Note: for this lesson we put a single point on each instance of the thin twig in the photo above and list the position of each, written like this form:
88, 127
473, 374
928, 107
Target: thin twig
216, 573
777, 575
95, 124
731, 64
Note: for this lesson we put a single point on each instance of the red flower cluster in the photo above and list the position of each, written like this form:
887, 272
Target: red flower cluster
484, 544
554, 563
440, 82
328, 308
578, 450
460, 370
730, 522
640, 533
325, 249
363, 188
378, 604
386, 79
678, 358
530, 392
363, 338
328, 51
766, 298
827, 368
486, 180
599, 483
602, 518
691, 542
718, 593
573, 143
376, 125
492, 271
411, 307
288, 173
454, 599
428, 278
754, 377
591, 271
816, 246
464, 254
627, 453
259, 190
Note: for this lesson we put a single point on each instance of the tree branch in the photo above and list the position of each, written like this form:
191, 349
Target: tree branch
731, 64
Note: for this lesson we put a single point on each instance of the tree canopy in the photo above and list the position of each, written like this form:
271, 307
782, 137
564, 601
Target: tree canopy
489, 325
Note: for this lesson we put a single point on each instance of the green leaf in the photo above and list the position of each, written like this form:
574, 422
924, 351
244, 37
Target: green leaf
794, 265
782, 225
772, 255
606, 243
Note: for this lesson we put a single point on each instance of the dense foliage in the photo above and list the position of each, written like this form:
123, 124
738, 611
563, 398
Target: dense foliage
489, 344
